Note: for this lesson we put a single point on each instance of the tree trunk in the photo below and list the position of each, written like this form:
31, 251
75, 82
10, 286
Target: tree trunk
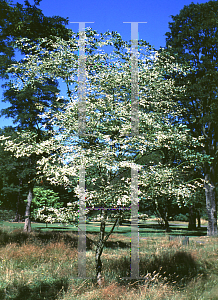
210, 193
164, 216
167, 225
199, 218
210, 176
18, 216
99, 249
27, 225
101, 243
192, 218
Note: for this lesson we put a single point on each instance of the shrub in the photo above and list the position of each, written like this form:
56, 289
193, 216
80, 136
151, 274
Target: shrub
181, 217
7, 215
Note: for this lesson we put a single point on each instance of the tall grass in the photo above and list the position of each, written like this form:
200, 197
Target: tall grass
43, 265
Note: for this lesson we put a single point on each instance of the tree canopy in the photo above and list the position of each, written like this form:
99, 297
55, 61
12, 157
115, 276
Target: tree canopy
28, 105
107, 149
25, 21
193, 40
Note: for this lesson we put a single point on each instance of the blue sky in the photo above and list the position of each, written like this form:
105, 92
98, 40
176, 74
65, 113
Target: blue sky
110, 15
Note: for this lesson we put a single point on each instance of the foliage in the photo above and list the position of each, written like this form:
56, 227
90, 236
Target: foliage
43, 197
27, 21
64, 215
6, 215
13, 173
28, 104
108, 150
193, 40
181, 217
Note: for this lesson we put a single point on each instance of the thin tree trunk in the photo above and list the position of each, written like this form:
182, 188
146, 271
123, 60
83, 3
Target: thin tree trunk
27, 225
199, 218
18, 206
100, 245
99, 249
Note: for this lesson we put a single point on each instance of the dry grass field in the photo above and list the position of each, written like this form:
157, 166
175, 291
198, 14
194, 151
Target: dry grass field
43, 265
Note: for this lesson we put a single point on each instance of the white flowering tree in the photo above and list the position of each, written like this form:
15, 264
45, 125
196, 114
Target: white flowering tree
108, 150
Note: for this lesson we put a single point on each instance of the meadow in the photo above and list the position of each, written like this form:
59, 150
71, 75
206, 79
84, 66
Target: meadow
43, 264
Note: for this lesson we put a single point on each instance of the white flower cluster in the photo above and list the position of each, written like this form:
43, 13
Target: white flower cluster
62, 215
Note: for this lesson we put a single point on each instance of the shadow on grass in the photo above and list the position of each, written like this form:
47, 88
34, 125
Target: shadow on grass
43, 238
174, 268
39, 291
17, 236
40, 238
71, 238
149, 229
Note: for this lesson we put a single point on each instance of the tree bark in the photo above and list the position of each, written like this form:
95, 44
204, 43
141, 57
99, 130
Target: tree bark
27, 225
211, 205
210, 176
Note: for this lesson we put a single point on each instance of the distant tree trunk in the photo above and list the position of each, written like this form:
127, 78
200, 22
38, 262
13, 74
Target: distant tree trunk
211, 205
192, 218
27, 225
19, 214
199, 218
167, 225
165, 217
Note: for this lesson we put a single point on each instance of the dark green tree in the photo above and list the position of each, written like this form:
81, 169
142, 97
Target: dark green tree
13, 175
19, 21
28, 105
193, 38
27, 108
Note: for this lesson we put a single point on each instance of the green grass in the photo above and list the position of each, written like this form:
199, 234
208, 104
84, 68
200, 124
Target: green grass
146, 228
43, 264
